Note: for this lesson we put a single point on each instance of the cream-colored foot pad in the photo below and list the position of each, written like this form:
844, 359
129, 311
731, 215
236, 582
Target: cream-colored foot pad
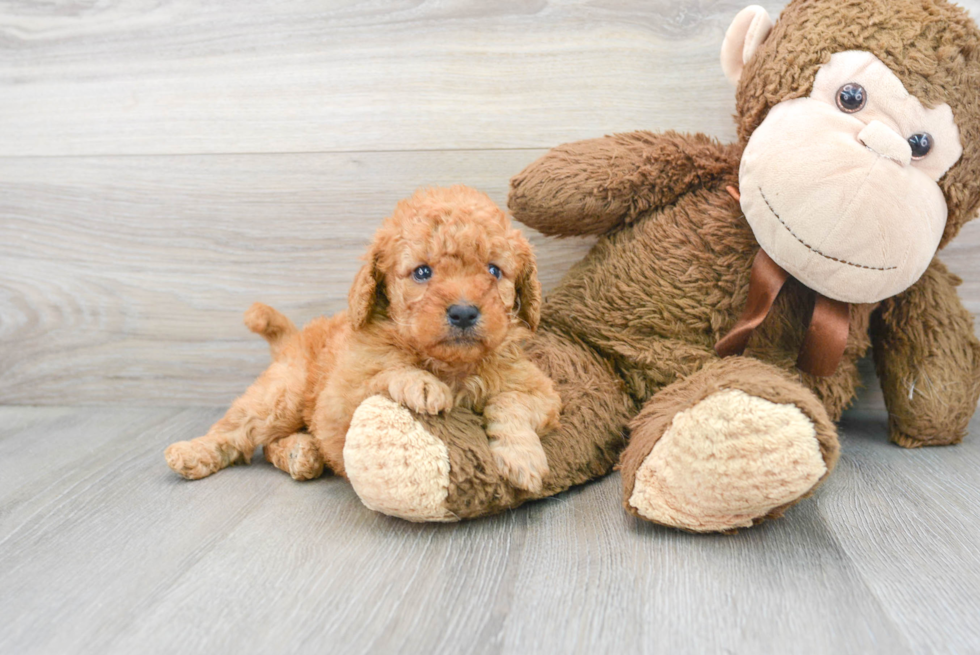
395, 465
727, 460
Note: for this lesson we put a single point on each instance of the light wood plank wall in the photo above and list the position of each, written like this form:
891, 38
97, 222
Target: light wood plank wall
164, 164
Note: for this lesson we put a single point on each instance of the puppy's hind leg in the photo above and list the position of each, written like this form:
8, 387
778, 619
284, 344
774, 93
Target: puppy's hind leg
270, 409
298, 455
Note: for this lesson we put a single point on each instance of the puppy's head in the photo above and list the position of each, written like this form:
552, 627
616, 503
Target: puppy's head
450, 276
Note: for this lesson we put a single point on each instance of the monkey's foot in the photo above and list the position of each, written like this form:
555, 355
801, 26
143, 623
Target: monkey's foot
395, 465
727, 462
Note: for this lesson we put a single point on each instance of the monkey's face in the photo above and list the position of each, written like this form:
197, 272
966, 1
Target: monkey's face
840, 188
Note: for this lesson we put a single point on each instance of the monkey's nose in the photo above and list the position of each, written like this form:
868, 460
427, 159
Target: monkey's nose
886, 142
462, 316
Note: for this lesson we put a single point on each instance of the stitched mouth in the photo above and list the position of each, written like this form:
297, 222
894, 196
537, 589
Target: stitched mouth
824, 255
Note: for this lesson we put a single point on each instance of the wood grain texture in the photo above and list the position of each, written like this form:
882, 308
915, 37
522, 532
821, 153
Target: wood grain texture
903, 518
107, 551
127, 277
184, 76
132, 238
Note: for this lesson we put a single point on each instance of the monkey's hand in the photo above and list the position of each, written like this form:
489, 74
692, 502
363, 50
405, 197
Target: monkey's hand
594, 186
928, 361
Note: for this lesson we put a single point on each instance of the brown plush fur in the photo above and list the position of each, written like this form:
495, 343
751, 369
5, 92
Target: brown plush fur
586, 382
932, 47
743, 373
927, 369
631, 328
396, 340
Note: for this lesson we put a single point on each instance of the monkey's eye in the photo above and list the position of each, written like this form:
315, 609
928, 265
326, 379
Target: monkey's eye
495, 271
851, 98
921, 144
422, 273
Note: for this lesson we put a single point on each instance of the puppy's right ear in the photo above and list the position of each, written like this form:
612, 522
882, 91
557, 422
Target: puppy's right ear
528, 301
366, 293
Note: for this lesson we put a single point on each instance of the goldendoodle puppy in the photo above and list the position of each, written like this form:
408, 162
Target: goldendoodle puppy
436, 319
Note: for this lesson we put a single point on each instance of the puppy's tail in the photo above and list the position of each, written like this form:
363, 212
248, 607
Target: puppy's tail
273, 326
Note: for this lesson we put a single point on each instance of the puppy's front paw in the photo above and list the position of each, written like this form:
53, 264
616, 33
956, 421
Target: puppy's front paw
421, 392
523, 463
192, 459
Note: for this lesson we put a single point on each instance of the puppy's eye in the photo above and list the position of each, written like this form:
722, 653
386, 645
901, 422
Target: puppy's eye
851, 98
422, 273
495, 271
921, 144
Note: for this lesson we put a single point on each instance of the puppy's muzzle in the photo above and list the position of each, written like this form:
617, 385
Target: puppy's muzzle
462, 316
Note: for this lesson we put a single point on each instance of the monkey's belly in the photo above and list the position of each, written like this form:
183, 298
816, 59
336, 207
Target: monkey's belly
679, 275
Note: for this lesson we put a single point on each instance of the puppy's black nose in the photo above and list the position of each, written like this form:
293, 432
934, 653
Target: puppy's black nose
462, 316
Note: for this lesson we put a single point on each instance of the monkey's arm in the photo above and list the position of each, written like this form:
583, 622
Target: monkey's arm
928, 361
593, 186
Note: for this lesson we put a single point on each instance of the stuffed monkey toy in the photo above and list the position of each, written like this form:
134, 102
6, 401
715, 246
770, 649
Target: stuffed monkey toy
708, 342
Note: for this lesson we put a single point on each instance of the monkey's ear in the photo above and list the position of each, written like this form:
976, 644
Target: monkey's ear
744, 36
366, 293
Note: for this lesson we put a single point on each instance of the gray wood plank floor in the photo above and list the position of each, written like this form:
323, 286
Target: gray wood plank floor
104, 550
163, 164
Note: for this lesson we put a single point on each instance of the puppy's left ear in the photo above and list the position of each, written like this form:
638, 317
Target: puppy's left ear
528, 301
367, 292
